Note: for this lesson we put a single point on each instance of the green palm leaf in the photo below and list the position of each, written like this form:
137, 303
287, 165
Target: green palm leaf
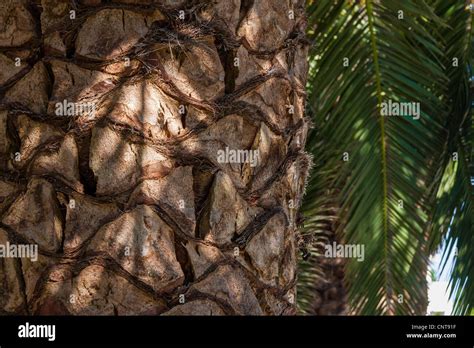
382, 191
453, 217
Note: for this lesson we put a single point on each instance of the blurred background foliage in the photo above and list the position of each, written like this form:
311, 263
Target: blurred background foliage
401, 187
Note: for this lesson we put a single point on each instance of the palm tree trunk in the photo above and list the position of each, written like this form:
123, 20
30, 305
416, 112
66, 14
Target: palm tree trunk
153, 151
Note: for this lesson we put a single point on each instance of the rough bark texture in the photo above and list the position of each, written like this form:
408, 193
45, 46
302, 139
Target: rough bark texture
131, 209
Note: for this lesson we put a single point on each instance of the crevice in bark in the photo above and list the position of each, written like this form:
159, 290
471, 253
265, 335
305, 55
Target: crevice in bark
35, 12
63, 214
183, 117
21, 280
184, 261
87, 177
245, 6
12, 134
203, 220
202, 183
227, 57
70, 49
51, 79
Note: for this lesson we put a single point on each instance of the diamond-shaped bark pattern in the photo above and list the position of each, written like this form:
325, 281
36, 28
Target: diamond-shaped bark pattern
9, 70
16, 23
170, 193
267, 24
229, 284
227, 213
31, 89
34, 272
96, 291
197, 72
75, 84
143, 245
10, 292
77, 229
33, 137
131, 202
96, 40
62, 162
119, 165
36, 217
145, 107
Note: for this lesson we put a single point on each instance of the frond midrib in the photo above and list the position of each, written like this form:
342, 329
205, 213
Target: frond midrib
383, 145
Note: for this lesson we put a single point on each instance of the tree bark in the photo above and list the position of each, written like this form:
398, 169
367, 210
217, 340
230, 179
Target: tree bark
153, 151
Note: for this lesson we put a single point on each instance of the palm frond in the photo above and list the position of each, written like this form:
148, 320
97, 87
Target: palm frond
368, 53
453, 217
